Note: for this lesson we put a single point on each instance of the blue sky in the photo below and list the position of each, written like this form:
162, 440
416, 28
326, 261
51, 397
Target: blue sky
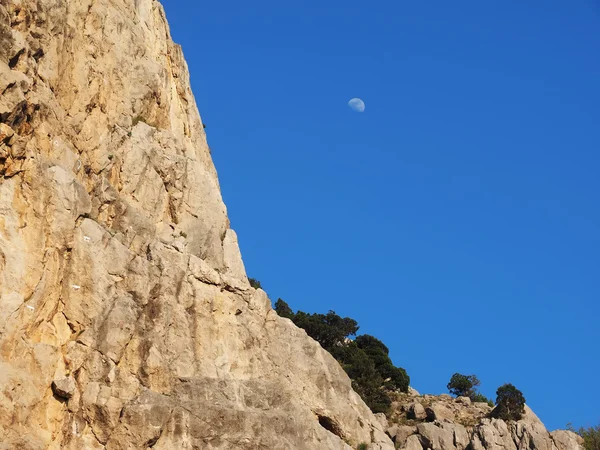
457, 218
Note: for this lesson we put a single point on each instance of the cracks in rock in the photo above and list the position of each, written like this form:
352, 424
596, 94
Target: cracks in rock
8, 177
333, 426
9, 86
173, 209
20, 118
152, 442
38, 54
91, 427
12, 63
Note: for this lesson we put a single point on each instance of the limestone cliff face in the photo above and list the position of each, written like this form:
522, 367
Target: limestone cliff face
126, 318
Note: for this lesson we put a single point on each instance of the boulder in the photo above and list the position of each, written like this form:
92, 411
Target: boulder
439, 411
416, 411
493, 434
463, 400
412, 443
400, 433
461, 436
435, 438
64, 387
566, 440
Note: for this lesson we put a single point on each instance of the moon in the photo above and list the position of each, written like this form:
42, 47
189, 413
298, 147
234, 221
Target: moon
356, 104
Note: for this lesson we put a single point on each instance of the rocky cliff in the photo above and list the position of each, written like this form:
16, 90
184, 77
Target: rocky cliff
445, 423
126, 318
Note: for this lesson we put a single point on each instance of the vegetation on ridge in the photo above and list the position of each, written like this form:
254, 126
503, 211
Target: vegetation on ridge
254, 283
365, 359
591, 436
466, 386
374, 377
510, 403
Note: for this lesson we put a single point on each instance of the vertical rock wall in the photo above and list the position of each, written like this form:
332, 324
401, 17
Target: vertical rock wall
126, 318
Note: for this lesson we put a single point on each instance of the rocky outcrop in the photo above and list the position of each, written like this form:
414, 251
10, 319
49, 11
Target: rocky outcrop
459, 424
126, 318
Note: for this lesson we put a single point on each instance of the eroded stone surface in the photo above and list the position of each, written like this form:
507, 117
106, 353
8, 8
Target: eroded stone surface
121, 282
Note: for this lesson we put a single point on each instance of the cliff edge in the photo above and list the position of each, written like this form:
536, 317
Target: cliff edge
126, 318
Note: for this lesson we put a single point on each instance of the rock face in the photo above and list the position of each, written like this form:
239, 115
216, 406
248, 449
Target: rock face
458, 424
126, 318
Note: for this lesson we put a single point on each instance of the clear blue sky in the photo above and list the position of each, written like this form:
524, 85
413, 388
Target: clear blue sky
458, 217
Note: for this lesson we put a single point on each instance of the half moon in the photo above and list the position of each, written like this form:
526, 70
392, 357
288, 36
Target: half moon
356, 104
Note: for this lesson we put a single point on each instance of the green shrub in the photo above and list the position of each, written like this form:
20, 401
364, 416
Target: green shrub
328, 329
510, 403
466, 386
365, 359
396, 377
254, 283
591, 437
463, 385
366, 341
478, 397
362, 446
366, 380
283, 309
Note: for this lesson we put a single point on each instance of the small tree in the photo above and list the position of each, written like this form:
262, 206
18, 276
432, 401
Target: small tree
510, 403
283, 309
463, 385
366, 341
254, 283
328, 329
396, 377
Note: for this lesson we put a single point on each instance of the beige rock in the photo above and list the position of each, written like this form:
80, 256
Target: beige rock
126, 317
461, 436
416, 411
482, 406
412, 443
463, 400
493, 434
203, 272
527, 433
233, 260
401, 433
413, 392
64, 387
436, 438
566, 440
382, 419
439, 411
